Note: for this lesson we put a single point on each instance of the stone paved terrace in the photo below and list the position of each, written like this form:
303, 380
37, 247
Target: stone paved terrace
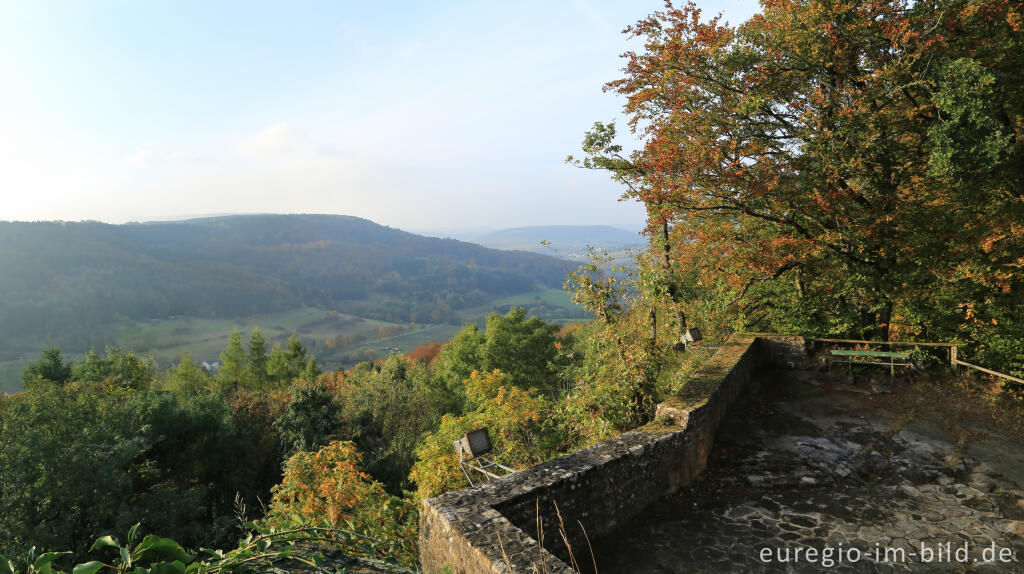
808, 461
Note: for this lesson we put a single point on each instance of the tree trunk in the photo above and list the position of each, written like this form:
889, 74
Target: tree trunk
885, 321
673, 289
652, 314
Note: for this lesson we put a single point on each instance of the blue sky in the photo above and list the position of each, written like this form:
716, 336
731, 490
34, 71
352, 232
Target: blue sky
439, 116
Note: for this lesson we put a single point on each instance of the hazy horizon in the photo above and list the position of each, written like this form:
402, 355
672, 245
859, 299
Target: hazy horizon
461, 233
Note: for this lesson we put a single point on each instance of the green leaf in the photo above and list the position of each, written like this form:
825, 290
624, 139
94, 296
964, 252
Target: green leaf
87, 568
6, 566
176, 567
42, 564
126, 557
132, 532
103, 542
156, 547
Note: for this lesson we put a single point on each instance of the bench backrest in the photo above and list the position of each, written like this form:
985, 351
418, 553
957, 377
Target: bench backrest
893, 354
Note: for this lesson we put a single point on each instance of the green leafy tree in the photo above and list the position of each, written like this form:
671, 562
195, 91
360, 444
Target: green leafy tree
232, 371
84, 458
394, 404
615, 384
311, 370
296, 353
50, 366
524, 349
258, 359
279, 369
116, 367
463, 354
187, 377
313, 418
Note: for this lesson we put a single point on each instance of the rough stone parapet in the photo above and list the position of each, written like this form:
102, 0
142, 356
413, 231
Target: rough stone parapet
498, 527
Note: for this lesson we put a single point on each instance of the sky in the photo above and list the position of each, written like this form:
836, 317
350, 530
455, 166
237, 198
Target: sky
450, 116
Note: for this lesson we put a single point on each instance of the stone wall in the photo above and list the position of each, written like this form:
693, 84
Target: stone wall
528, 521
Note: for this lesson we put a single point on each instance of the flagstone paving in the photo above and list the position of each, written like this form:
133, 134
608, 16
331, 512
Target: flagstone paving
814, 476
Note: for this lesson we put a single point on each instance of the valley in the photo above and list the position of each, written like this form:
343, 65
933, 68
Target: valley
349, 289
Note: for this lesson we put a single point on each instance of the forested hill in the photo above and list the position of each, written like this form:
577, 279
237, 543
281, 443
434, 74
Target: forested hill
64, 281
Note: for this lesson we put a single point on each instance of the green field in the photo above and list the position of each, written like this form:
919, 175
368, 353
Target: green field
550, 304
166, 340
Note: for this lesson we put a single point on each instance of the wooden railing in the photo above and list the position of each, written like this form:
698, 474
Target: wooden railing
989, 371
952, 346
954, 362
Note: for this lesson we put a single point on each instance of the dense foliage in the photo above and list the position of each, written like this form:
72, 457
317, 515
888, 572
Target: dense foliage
833, 168
263, 547
84, 458
100, 443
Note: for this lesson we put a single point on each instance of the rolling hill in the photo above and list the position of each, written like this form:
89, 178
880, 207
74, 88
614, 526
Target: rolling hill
73, 284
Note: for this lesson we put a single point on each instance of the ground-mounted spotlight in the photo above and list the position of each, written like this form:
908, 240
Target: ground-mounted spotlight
471, 449
474, 443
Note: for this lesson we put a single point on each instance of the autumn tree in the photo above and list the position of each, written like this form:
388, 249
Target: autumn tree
847, 167
327, 487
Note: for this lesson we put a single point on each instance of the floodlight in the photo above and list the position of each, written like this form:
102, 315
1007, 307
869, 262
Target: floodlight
475, 443
473, 446
692, 336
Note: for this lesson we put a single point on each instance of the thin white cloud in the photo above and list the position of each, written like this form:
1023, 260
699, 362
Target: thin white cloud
143, 157
278, 139
285, 140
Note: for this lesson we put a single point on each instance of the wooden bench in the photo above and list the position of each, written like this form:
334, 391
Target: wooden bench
892, 356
